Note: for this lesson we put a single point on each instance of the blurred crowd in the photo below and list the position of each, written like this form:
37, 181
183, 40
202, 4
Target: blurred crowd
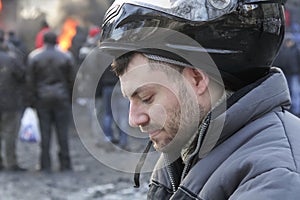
288, 58
43, 79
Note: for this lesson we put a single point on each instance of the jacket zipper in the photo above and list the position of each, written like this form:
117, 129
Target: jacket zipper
170, 173
187, 167
201, 134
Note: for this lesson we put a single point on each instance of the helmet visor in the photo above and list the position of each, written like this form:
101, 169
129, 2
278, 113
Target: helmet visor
193, 10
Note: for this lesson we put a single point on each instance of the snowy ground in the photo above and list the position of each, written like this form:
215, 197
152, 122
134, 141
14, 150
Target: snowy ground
89, 179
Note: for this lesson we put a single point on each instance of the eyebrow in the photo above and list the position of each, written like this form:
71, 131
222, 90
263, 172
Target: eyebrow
139, 90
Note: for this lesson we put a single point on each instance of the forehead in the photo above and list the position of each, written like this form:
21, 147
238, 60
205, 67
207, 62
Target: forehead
140, 74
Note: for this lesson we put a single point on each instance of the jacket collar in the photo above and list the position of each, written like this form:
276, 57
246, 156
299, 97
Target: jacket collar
244, 106
252, 102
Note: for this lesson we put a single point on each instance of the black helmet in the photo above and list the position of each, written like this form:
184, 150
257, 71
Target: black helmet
241, 36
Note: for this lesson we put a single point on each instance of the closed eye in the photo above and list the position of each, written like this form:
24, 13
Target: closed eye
147, 100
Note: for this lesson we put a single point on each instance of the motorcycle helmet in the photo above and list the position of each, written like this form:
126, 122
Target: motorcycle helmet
242, 37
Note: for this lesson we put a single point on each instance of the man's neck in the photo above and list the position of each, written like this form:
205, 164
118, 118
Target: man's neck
191, 145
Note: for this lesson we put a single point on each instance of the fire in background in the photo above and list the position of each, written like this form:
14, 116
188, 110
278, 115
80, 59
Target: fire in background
67, 34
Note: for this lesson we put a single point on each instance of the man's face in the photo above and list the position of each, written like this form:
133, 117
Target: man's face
160, 104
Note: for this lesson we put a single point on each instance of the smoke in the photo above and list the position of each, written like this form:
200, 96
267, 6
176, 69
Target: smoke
87, 13
8, 15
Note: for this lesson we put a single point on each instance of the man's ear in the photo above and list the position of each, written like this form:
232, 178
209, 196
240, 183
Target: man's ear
197, 78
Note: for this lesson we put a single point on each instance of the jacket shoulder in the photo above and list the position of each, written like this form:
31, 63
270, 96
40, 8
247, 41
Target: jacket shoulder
291, 126
263, 154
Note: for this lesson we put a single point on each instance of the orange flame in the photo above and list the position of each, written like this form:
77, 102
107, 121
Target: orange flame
68, 32
0, 5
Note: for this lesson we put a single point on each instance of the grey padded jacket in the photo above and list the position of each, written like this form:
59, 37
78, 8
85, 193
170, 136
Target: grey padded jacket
256, 157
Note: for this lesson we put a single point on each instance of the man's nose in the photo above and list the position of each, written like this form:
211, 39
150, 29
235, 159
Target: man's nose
137, 116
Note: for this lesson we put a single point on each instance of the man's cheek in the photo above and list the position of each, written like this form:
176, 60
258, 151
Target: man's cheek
158, 114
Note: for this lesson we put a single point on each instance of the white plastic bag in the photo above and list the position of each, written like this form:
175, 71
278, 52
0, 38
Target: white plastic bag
30, 130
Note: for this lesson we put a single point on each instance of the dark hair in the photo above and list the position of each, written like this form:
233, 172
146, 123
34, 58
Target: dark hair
120, 64
50, 37
44, 24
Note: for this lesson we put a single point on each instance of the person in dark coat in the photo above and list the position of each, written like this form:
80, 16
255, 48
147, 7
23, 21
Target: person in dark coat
17, 46
77, 42
111, 98
12, 80
50, 79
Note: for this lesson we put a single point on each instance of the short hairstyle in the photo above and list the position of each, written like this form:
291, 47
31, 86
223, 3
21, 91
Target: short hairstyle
120, 64
50, 37
44, 24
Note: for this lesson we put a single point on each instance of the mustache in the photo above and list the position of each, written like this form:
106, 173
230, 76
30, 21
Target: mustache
151, 127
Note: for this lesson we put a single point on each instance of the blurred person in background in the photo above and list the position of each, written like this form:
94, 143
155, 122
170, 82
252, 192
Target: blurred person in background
108, 94
90, 43
288, 60
88, 76
18, 50
77, 42
17, 46
50, 78
112, 98
39, 40
12, 80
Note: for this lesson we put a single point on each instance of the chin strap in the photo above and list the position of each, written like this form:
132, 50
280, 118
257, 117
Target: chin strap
140, 164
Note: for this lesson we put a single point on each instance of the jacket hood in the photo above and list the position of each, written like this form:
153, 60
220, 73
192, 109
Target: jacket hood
246, 105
